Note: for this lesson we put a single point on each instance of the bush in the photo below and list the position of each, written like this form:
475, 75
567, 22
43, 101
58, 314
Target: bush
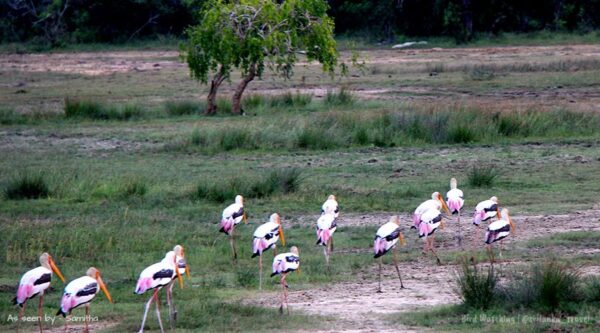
341, 98
460, 134
592, 290
87, 109
477, 289
27, 186
182, 108
482, 176
134, 188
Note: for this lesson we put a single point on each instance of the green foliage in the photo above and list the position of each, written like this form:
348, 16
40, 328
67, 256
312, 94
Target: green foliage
482, 176
181, 108
341, 98
477, 288
27, 186
88, 109
283, 181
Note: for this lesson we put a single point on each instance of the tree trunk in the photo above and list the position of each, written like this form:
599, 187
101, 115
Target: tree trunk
211, 99
236, 101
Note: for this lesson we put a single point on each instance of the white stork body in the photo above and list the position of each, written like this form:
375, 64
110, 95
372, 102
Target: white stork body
331, 206
265, 237
386, 238
498, 230
326, 226
183, 268
486, 210
436, 202
155, 277
232, 216
82, 291
35, 282
455, 202
283, 264
429, 222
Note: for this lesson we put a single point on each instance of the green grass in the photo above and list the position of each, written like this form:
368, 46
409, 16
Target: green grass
27, 186
482, 176
87, 109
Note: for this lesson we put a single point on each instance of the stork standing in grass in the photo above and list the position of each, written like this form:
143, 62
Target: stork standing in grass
183, 268
265, 238
283, 264
385, 240
326, 226
82, 291
155, 277
436, 202
331, 205
429, 222
232, 216
497, 231
455, 202
35, 282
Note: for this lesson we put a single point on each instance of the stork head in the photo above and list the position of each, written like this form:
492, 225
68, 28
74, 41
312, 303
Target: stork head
94, 273
453, 183
331, 197
494, 199
180, 255
437, 196
275, 218
295, 250
506, 216
47, 262
239, 199
395, 219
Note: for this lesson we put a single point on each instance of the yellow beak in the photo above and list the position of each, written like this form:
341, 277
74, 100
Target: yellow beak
178, 274
245, 218
281, 235
444, 206
56, 270
103, 287
512, 226
402, 242
498, 215
187, 271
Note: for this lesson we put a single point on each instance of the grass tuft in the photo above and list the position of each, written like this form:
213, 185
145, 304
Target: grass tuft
341, 98
482, 176
27, 186
88, 109
477, 288
183, 108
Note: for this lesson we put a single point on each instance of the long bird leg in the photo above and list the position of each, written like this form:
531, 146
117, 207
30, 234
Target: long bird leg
172, 312
460, 236
146, 311
21, 312
439, 262
285, 293
326, 253
232, 243
260, 272
87, 313
282, 282
40, 310
380, 262
162, 330
397, 269
66, 328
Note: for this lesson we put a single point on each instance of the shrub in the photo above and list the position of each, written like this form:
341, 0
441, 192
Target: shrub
592, 289
477, 289
556, 285
182, 108
75, 108
341, 98
27, 186
134, 188
461, 134
482, 176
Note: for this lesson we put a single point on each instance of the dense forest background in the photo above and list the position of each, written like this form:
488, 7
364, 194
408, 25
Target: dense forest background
59, 22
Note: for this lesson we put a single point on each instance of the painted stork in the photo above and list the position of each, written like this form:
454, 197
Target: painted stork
183, 268
436, 202
455, 202
283, 264
233, 215
497, 231
484, 211
428, 224
265, 237
326, 226
330, 205
155, 277
82, 291
35, 282
385, 239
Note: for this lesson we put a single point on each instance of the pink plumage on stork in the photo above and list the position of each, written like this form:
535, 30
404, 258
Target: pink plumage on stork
455, 202
331, 205
82, 291
155, 277
265, 237
385, 240
35, 282
484, 211
183, 268
326, 226
497, 231
283, 264
232, 216
436, 202
428, 224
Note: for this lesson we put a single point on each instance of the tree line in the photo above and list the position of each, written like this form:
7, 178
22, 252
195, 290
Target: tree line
59, 22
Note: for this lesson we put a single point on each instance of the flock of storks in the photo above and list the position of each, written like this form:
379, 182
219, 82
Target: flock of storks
427, 218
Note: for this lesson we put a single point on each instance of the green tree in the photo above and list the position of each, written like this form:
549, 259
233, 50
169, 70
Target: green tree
252, 35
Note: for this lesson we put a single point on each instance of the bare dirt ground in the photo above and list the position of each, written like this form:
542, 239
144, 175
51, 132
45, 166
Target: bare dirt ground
360, 308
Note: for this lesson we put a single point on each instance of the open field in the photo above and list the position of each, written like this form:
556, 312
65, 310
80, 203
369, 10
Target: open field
122, 191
